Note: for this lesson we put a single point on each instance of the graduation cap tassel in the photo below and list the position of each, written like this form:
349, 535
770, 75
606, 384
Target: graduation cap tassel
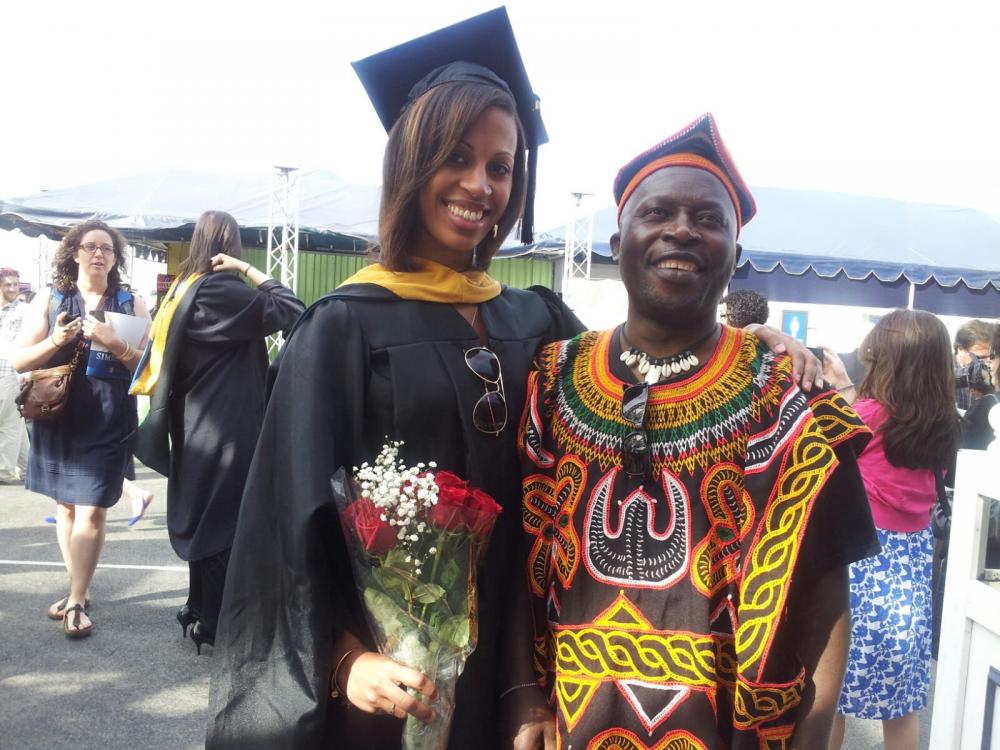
528, 219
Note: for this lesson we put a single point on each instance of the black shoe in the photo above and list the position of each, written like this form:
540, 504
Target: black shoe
186, 617
201, 634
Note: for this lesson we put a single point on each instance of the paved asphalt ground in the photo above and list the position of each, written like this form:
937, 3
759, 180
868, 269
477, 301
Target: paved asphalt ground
135, 683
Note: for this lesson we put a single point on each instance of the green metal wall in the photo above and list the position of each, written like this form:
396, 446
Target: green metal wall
320, 273
521, 273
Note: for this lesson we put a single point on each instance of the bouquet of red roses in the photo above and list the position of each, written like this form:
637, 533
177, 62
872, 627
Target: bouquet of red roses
415, 537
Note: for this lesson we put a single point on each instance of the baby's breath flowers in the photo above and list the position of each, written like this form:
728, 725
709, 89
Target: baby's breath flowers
402, 494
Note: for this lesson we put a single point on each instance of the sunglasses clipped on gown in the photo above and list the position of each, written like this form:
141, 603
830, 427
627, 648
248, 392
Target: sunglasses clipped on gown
636, 450
489, 415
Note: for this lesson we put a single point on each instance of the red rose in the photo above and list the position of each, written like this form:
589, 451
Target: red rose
462, 508
450, 511
447, 479
483, 511
377, 536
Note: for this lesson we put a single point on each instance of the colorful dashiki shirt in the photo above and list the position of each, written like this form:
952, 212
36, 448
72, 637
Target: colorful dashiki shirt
659, 602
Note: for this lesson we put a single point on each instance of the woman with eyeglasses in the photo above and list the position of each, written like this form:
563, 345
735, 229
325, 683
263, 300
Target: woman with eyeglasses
423, 346
80, 458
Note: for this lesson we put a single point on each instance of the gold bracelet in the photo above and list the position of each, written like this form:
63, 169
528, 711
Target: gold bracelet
336, 692
126, 353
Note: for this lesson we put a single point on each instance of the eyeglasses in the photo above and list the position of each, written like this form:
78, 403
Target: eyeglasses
637, 459
92, 247
489, 415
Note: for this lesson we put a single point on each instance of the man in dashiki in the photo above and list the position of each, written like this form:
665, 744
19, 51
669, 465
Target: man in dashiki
689, 511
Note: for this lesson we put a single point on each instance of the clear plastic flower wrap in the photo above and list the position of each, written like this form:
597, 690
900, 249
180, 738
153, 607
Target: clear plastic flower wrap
415, 537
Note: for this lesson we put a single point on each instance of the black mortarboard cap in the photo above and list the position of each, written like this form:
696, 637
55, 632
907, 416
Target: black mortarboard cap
396, 76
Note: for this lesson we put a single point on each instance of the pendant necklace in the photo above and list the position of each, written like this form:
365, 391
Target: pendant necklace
655, 369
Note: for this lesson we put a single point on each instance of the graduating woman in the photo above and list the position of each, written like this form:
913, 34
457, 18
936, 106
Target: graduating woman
80, 458
401, 350
907, 399
208, 399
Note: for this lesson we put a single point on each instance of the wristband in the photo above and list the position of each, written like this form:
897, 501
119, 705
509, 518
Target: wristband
335, 691
246, 269
57, 346
510, 690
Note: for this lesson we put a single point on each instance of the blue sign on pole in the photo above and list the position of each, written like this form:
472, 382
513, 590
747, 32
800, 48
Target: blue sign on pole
795, 323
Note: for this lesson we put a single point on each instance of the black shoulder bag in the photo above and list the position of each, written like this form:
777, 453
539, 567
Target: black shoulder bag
941, 512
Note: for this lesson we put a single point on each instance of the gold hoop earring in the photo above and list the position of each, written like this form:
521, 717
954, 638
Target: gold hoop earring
496, 230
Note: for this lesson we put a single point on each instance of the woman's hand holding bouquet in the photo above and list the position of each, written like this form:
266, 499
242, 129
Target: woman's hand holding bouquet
415, 537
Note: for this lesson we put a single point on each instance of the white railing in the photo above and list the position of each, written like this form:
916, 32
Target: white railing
966, 707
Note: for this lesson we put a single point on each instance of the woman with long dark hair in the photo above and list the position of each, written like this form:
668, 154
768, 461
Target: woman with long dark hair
80, 458
385, 357
907, 399
205, 371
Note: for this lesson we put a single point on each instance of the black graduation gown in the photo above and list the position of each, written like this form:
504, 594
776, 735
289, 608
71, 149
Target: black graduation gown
363, 365
216, 405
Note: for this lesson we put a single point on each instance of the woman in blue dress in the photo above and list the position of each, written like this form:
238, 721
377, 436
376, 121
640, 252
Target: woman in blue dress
80, 458
906, 398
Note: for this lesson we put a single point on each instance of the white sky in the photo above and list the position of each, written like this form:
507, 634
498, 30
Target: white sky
896, 99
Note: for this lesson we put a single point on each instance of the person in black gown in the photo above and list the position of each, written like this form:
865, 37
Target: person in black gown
384, 356
209, 399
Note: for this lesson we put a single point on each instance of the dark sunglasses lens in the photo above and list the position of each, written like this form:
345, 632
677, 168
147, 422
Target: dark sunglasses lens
635, 454
634, 404
484, 363
490, 412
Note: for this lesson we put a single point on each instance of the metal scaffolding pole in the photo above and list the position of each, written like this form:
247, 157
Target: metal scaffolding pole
579, 241
283, 235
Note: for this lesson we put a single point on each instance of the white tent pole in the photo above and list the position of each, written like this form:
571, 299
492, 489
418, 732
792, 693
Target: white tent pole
912, 296
43, 259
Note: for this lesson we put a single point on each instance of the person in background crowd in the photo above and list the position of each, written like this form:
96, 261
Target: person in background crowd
690, 512
907, 400
81, 457
138, 498
972, 347
977, 433
205, 370
387, 356
852, 362
13, 436
741, 307
994, 357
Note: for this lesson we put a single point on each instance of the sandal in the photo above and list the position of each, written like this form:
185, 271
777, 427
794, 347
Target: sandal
147, 498
73, 618
58, 610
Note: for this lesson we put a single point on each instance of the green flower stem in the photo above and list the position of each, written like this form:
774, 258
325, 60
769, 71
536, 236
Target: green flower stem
439, 545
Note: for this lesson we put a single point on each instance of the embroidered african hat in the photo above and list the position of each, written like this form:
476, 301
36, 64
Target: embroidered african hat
481, 49
698, 145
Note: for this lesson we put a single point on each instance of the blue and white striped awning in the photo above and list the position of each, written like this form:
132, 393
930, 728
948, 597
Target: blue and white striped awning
834, 234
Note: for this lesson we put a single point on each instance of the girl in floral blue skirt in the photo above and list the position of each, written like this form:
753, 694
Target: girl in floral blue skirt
907, 399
